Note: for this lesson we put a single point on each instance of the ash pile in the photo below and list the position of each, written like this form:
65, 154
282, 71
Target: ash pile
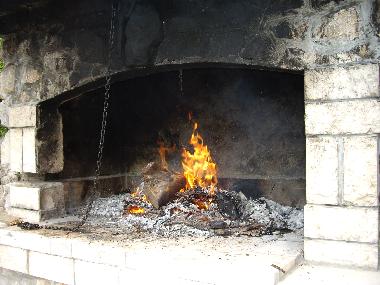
195, 213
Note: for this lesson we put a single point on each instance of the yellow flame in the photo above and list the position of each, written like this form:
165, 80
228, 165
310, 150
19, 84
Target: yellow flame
136, 210
198, 167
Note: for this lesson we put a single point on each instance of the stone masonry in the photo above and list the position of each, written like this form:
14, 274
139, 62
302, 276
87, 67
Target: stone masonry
342, 165
335, 43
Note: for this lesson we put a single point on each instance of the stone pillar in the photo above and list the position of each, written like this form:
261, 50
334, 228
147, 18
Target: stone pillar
37, 200
342, 107
22, 133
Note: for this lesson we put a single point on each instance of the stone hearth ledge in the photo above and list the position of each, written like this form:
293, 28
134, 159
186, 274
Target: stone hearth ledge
100, 258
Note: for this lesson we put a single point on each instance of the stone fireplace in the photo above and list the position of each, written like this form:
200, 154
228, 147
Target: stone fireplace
286, 93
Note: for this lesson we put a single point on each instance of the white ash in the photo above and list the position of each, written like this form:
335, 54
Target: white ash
173, 219
268, 212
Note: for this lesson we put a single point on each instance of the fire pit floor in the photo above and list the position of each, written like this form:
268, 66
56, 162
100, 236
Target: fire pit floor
98, 256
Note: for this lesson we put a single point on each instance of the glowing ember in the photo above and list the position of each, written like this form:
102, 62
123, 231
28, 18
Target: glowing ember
136, 210
203, 204
198, 167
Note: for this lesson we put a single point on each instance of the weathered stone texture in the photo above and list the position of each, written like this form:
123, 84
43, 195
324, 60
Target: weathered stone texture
341, 252
7, 80
322, 170
343, 25
337, 223
358, 81
266, 33
22, 116
361, 171
345, 117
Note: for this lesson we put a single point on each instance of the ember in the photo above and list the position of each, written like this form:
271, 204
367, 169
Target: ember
198, 167
136, 210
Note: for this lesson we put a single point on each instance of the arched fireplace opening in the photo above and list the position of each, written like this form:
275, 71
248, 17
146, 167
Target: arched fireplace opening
251, 120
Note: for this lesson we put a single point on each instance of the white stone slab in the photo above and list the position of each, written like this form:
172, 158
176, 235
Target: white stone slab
322, 170
344, 253
22, 116
317, 274
342, 223
31, 216
13, 258
15, 141
37, 195
5, 150
96, 274
98, 252
358, 81
57, 244
56, 268
25, 197
361, 170
146, 259
29, 156
345, 117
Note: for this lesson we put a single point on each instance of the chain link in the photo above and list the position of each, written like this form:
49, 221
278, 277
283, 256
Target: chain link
107, 94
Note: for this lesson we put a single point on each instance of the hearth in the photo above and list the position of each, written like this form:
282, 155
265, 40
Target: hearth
227, 123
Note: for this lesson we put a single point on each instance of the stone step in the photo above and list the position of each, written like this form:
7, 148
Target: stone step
36, 201
82, 259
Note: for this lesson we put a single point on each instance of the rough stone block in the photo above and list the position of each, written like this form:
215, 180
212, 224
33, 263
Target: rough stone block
94, 274
34, 216
15, 141
344, 117
342, 223
322, 170
31, 216
37, 196
343, 25
57, 268
29, 150
12, 258
22, 116
340, 252
7, 80
358, 81
361, 170
24, 197
5, 150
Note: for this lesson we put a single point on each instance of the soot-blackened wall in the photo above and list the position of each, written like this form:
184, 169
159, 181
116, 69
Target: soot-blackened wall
252, 121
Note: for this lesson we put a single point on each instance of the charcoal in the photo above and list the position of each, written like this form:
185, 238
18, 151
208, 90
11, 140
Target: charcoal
228, 205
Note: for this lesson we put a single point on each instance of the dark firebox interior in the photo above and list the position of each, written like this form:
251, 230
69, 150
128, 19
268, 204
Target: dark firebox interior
252, 121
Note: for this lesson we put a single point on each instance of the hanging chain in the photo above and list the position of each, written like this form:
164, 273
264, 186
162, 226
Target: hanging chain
107, 94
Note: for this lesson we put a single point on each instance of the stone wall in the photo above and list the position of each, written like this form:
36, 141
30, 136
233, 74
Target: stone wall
342, 165
50, 53
56, 51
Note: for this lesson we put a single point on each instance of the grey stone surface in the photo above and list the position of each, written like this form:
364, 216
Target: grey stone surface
54, 56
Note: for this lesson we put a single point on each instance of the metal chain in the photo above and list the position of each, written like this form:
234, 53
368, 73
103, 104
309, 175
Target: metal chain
107, 94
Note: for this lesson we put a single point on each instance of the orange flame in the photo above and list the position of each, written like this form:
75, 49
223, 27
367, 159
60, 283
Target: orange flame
198, 167
136, 210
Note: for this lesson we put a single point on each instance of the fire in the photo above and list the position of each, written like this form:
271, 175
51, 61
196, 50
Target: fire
203, 204
198, 167
136, 210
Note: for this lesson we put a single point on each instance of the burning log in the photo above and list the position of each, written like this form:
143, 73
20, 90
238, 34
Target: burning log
160, 185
